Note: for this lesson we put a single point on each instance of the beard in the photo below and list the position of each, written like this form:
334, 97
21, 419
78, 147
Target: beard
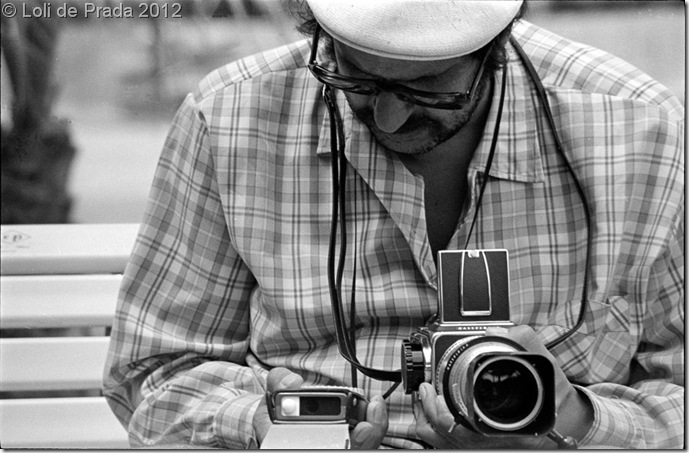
422, 132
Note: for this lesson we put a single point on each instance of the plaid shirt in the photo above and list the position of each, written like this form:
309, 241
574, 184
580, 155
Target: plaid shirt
228, 276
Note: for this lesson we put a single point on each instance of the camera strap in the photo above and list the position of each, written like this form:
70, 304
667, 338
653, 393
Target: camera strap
345, 339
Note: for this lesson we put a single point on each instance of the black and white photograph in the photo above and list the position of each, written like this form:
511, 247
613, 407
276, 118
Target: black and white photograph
342, 224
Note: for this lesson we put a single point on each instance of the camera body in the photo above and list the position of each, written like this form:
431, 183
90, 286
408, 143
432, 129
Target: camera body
315, 417
490, 384
317, 405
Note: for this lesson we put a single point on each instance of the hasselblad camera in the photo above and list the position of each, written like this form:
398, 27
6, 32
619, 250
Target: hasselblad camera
490, 384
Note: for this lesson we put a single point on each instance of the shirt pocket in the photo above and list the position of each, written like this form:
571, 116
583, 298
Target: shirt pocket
601, 350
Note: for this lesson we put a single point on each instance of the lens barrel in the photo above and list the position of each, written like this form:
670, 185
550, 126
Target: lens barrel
494, 387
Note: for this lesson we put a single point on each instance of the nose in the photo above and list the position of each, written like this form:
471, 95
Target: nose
390, 112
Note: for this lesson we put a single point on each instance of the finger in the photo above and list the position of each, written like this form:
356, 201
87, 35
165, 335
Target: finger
424, 411
377, 415
278, 379
527, 337
362, 436
428, 398
454, 434
445, 421
524, 335
497, 332
283, 379
424, 429
369, 434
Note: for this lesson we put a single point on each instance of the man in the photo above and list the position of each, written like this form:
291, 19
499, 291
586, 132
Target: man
227, 293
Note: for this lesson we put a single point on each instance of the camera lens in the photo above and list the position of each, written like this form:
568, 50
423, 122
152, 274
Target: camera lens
490, 385
451, 379
508, 393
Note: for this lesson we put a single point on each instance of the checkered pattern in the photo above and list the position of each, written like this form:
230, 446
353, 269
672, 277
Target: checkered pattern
228, 275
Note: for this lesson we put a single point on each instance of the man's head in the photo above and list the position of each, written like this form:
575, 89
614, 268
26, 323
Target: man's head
433, 46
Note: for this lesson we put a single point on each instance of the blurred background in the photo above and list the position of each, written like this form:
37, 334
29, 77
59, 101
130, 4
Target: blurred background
87, 101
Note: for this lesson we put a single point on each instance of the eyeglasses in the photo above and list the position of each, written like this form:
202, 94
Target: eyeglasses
370, 87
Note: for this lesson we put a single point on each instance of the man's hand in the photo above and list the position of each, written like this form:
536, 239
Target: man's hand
278, 379
434, 420
366, 435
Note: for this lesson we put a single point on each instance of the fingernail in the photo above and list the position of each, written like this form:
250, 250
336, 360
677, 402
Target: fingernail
498, 331
378, 410
422, 392
289, 381
362, 436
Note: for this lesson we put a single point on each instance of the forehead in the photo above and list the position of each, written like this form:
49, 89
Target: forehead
390, 68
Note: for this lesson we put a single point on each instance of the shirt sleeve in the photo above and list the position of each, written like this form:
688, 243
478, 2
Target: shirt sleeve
177, 370
649, 412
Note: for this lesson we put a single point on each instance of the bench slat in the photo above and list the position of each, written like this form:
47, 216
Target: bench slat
66, 249
58, 301
64, 278
60, 423
61, 363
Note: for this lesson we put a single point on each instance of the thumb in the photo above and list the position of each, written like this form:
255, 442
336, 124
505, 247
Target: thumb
278, 379
283, 379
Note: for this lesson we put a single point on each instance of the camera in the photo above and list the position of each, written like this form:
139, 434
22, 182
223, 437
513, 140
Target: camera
490, 384
317, 404
313, 417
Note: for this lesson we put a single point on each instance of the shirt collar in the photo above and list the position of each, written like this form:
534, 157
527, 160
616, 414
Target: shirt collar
519, 144
518, 148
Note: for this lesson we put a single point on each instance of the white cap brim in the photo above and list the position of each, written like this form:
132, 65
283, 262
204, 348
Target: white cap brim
415, 29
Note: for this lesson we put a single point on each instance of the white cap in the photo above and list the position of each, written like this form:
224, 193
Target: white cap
415, 29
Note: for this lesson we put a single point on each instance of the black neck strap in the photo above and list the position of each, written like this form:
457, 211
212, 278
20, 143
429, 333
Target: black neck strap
491, 154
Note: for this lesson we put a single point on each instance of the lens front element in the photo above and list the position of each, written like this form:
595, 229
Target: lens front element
508, 393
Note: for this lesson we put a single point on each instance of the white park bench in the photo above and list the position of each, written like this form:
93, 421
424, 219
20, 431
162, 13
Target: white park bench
58, 293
